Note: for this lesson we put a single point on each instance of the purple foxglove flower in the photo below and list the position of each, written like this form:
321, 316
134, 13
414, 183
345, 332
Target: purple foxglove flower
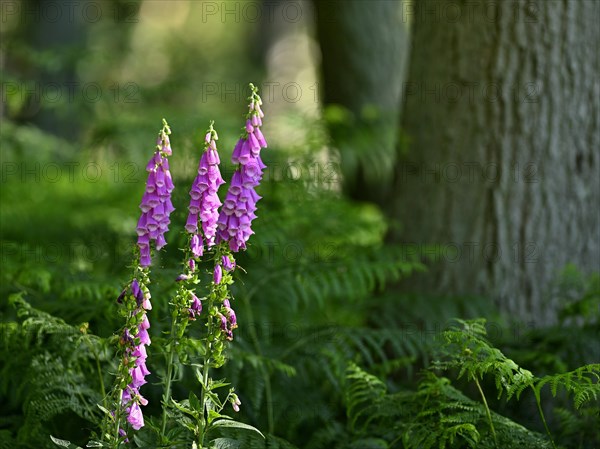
235, 404
235, 157
235, 187
154, 161
141, 226
140, 353
261, 139
212, 157
253, 141
146, 304
245, 155
152, 226
149, 201
127, 394
156, 203
195, 307
160, 178
194, 206
204, 202
126, 338
142, 400
224, 325
136, 418
223, 322
158, 212
122, 296
141, 365
192, 223
197, 246
160, 241
218, 274
227, 262
144, 240
251, 174
237, 213
137, 377
231, 318
143, 336
182, 277
192, 265
135, 287
137, 292
166, 145
145, 324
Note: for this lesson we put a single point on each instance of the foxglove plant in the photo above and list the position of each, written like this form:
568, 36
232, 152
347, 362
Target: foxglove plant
239, 207
213, 236
135, 299
201, 227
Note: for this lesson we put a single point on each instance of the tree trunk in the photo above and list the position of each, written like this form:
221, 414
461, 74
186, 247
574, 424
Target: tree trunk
501, 173
364, 46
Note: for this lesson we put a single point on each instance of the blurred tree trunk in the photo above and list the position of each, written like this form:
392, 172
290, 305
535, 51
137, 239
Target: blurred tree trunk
43, 51
502, 115
364, 45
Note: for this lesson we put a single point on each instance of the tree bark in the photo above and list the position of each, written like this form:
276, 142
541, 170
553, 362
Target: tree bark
501, 173
364, 45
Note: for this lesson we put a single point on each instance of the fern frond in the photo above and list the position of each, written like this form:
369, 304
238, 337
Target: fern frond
583, 383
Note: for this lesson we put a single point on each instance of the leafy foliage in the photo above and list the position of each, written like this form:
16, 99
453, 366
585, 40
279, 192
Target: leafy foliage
317, 302
437, 415
61, 366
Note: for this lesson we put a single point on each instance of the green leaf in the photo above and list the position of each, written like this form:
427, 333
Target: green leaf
219, 384
236, 425
182, 407
195, 403
212, 415
63, 443
225, 443
188, 423
104, 409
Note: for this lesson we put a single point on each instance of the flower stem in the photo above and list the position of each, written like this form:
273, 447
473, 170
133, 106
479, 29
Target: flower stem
101, 379
169, 377
205, 372
118, 418
98, 369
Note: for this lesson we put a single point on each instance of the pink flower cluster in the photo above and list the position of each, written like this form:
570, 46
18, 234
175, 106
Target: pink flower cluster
156, 203
239, 207
136, 349
205, 202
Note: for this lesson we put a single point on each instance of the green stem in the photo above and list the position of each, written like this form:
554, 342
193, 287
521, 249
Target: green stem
98, 369
101, 378
118, 418
170, 357
487, 411
539, 406
205, 373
